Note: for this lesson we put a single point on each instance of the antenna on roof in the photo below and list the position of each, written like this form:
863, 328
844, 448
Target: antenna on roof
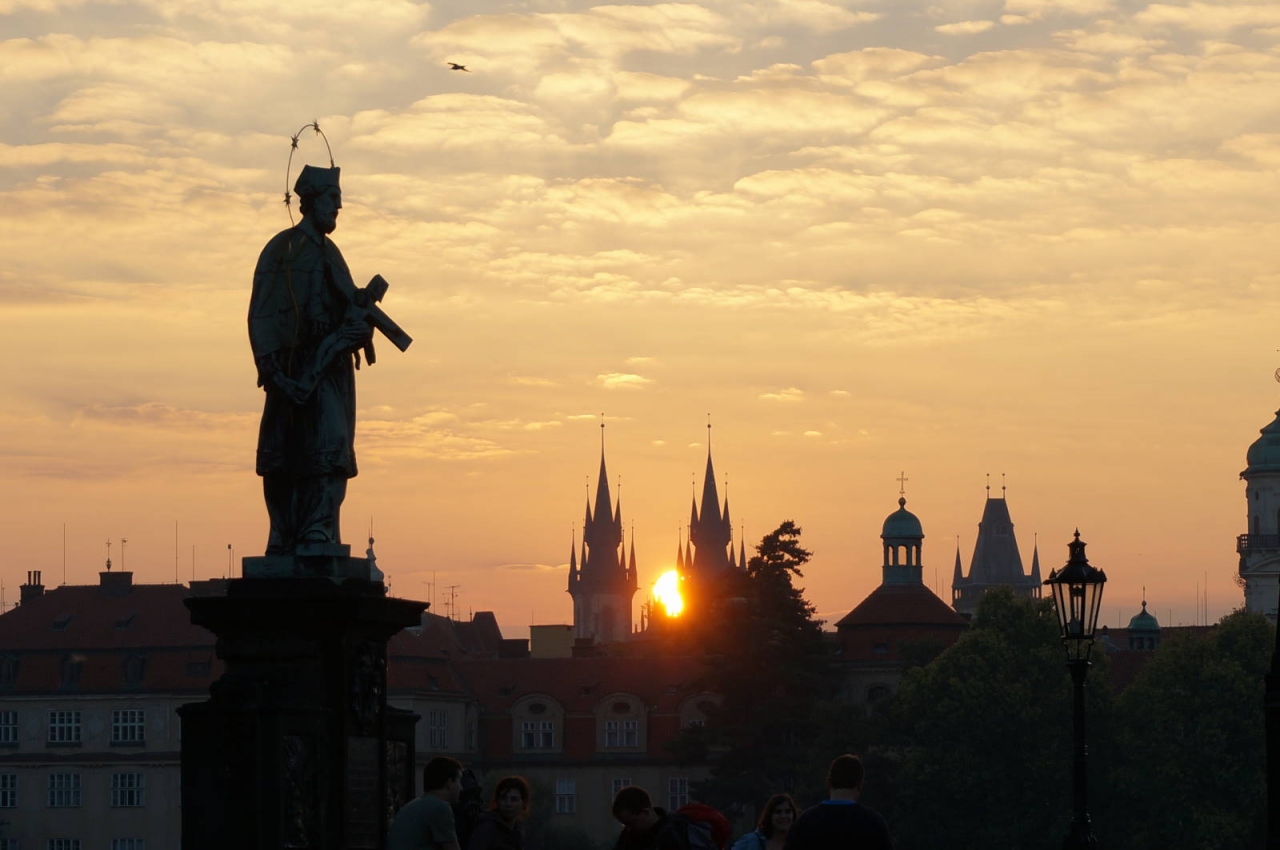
176, 580
64, 553
123, 541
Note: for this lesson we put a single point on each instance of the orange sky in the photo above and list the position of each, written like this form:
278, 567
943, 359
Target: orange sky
1031, 237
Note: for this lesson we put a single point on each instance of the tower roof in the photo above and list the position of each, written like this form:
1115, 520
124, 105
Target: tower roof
1264, 453
996, 559
902, 523
1143, 621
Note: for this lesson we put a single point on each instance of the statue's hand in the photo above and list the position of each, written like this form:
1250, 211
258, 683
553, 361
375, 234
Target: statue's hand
355, 332
291, 388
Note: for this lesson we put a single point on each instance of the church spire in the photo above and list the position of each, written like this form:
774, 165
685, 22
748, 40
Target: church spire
680, 553
1035, 561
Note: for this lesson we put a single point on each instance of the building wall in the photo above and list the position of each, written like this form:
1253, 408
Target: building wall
94, 818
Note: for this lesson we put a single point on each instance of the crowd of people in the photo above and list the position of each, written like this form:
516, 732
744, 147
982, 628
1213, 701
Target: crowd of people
442, 820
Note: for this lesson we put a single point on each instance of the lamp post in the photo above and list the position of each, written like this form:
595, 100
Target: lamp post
1077, 597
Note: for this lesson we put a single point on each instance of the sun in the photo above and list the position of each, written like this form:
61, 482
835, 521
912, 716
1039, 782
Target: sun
667, 591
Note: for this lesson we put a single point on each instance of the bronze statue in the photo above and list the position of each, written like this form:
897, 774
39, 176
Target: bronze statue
308, 324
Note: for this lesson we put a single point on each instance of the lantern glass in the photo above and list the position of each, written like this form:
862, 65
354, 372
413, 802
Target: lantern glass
1077, 599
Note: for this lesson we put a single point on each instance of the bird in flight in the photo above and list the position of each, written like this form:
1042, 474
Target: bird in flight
454, 66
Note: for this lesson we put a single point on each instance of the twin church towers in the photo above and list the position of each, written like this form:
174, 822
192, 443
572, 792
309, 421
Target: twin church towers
602, 571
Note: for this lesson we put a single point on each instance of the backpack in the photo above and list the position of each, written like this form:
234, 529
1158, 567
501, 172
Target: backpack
702, 827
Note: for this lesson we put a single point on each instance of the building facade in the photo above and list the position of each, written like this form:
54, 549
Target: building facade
899, 620
1259, 546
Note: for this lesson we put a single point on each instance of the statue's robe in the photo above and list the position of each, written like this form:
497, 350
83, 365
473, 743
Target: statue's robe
301, 290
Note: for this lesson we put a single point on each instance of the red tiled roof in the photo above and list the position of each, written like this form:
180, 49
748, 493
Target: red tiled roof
76, 617
904, 605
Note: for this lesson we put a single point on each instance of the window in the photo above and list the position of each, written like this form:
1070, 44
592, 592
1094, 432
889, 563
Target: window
64, 727
622, 733
471, 734
135, 666
128, 844
8, 790
618, 785
126, 789
8, 671
72, 665
527, 734
546, 734
128, 726
437, 729
64, 844
8, 727
64, 790
566, 797
677, 792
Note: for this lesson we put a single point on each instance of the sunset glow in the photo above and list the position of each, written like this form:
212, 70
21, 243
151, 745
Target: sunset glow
1020, 237
667, 591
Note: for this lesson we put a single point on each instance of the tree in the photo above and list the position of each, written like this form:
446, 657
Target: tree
767, 660
1190, 748
982, 734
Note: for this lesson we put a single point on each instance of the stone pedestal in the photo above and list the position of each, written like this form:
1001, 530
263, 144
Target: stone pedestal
296, 748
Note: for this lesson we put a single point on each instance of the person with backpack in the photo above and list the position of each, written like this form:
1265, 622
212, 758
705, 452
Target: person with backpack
649, 827
775, 822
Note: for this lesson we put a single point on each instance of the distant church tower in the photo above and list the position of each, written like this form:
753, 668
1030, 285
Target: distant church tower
710, 550
603, 582
1260, 548
996, 561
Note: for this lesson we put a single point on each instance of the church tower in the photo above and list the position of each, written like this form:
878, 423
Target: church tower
603, 581
1259, 549
710, 550
996, 561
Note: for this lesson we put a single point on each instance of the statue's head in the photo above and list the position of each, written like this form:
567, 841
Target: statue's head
319, 196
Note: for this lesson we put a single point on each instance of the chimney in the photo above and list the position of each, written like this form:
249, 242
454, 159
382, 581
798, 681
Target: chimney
115, 583
33, 588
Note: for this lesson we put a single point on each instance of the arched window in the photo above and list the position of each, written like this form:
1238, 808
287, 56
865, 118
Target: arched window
620, 722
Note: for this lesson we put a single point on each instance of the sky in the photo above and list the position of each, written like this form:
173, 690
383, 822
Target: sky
865, 239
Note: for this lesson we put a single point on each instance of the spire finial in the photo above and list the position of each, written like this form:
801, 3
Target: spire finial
1003, 488
602, 433
1144, 597
902, 483
108, 554
708, 435
988, 485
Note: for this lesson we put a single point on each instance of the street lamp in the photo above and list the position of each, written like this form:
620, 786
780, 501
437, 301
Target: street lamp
1077, 597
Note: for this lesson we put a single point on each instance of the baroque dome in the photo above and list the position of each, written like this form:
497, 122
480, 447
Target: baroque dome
1264, 454
902, 523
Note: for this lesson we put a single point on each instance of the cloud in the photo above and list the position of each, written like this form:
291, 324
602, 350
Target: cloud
162, 416
1035, 9
622, 381
528, 381
965, 27
790, 394
1210, 17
